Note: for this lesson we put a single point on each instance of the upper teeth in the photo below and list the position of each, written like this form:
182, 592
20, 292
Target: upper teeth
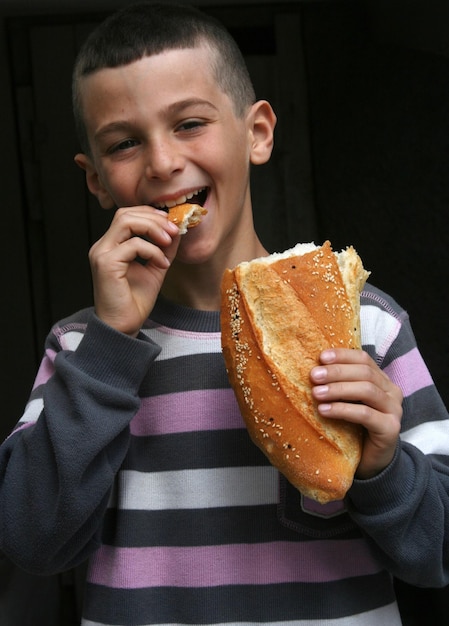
181, 200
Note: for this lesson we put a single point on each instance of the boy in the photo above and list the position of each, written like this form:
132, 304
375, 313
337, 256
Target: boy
132, 453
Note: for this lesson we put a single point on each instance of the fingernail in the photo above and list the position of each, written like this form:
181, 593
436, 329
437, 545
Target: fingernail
167, 237
173, 227
327, 356
320, 391
319, 373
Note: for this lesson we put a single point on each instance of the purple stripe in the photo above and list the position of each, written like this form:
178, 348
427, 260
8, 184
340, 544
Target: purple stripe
409, 372
20, 427
213, 409
46, 369
246, 564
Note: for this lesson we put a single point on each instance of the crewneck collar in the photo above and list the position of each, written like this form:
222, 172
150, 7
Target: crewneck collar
167, 313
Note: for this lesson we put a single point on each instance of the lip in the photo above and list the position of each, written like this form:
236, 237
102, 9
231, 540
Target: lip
181, 197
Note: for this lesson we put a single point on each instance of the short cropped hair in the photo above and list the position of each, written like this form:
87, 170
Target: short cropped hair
149, 28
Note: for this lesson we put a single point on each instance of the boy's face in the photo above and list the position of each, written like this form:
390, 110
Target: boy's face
161, 131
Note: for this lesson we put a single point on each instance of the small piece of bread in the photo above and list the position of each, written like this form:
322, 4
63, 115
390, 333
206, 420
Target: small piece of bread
186, 216
278, 313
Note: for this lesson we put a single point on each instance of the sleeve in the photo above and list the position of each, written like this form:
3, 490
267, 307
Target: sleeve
404, 510
56, 471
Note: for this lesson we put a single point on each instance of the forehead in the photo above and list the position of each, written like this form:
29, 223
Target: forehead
172, 74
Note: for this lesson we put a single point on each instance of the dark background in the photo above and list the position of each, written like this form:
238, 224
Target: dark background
361, 89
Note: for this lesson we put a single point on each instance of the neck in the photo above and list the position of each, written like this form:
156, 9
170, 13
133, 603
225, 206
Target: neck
199, 286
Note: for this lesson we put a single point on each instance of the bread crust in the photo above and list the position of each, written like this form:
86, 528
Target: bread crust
186, 216
278, 313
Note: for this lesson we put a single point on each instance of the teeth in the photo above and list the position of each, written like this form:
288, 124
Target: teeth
180, 200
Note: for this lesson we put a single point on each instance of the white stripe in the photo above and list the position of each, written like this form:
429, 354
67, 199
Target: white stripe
71, 340
385, 616
33, 410
430, 437
379, 328
183, 343
196, 489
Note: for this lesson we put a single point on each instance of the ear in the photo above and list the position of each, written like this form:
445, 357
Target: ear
263, 121
94, 182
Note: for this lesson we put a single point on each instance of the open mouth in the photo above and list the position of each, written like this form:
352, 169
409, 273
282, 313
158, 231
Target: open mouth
197, 197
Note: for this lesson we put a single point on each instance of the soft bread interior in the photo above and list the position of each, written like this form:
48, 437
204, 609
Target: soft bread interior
354, 277
186, 216
351, 268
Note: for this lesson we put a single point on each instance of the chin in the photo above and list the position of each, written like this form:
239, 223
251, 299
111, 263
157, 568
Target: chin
195, 250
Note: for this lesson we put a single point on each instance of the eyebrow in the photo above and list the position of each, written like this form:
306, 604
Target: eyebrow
171, 109
178, 107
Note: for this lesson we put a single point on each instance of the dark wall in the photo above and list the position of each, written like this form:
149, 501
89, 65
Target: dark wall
379, 119
378, 132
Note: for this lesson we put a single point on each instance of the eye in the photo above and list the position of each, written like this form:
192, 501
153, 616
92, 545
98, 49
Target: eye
190, 125
123, 145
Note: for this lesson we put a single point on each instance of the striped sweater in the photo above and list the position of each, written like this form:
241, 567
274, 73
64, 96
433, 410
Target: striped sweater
133, 454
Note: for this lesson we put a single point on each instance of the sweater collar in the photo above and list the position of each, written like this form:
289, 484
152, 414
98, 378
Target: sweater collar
173, 315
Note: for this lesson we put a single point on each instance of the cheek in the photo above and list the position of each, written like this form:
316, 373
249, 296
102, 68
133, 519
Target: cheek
123, 186
226, 153
237, 168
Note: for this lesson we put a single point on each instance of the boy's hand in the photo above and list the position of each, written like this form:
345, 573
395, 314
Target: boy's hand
125, 290
349, 385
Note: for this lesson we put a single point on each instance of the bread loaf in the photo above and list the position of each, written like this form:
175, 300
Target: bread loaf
186, 216
278, 313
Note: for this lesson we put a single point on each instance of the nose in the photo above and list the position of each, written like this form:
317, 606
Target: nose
163, 159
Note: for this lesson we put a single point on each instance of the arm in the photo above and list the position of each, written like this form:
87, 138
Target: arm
57, 471
58, 467
400, 494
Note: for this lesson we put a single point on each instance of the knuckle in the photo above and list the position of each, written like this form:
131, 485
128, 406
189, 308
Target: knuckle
397, 392
335, 371
365, 358
371, 374
364, 412
120, 212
